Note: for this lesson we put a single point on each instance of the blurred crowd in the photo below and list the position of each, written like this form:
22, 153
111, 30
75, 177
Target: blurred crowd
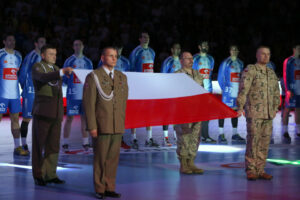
99, 23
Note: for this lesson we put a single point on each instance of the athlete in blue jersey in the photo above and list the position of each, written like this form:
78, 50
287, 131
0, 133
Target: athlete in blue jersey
291, 78
74, 94
26, 83
204, 63
170, 65
229, 79
142, 60
10, 62
271, 65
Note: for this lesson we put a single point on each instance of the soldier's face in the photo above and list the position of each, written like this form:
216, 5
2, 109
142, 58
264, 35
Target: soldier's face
9, 42
40, 43
176, 49
234, 51
49, 56
263, 56
187, 60
110, 58
78, 46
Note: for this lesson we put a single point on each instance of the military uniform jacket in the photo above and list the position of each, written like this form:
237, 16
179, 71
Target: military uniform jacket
259, 93
196, 76
106, 116
47, 83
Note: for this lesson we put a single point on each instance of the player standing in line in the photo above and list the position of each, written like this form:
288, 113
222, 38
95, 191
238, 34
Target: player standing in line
10, 62
170, 65
25, 79
142, 60
74, 94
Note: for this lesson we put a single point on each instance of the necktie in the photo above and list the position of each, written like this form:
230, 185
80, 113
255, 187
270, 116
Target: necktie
111, 76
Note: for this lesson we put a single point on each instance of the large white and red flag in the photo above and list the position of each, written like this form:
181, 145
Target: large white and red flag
162, 99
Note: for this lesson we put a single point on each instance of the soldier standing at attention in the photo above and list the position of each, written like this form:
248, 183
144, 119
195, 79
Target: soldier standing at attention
105, 95
188, 135
259, 96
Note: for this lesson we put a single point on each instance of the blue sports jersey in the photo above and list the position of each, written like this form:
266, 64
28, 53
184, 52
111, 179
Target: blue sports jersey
25, 77
229, 80
291, 74
9, 67
170, 65
142, 60
122, 65
75, 87
205, 65
271, 65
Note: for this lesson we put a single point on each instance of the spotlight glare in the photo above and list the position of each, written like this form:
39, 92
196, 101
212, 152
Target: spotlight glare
219, 148
24, 166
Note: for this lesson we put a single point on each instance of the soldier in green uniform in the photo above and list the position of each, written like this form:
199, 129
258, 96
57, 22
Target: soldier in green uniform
188, 135
47, 116
259, 97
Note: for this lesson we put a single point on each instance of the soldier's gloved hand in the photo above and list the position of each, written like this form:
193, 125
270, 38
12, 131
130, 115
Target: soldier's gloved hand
93, 133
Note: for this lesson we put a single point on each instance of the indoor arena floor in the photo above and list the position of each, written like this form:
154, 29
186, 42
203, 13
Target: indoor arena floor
152, 173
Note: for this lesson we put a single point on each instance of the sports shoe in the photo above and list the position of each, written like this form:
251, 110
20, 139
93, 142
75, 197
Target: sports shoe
135, 144
85, 146
151, 143
222, 138
65, 148
19, 151
286, 136
209, 140
124, 145
167, 142
237, 137
25, 148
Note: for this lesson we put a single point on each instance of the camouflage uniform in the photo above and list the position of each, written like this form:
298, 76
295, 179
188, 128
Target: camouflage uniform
188, 135
259, 96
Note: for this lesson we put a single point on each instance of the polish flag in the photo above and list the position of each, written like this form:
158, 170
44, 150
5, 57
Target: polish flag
162, 99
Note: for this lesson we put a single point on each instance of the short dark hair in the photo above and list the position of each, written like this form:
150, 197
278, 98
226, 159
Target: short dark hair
141, 33
106, 48
36, 39
47, 46
202, 41
174, 43
6, 35
263, 46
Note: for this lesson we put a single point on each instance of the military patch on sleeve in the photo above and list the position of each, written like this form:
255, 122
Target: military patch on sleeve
86, 85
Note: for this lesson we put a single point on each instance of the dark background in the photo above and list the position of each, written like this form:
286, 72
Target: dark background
247, 23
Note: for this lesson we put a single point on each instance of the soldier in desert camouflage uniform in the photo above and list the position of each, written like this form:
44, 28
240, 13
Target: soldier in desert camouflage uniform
259, 96
188, 135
